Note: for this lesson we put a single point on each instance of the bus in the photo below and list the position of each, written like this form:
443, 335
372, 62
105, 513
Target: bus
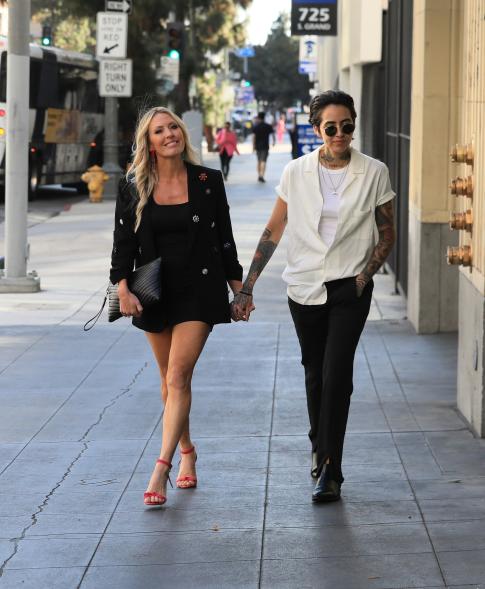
66, 116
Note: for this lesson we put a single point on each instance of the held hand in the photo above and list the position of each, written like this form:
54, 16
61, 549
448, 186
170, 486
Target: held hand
242, 306
130, 306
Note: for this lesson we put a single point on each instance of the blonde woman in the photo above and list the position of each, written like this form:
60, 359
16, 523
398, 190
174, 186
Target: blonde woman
168, 206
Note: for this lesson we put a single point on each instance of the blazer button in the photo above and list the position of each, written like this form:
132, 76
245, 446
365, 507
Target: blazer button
208, 191
195, 218
213, 224
205, 271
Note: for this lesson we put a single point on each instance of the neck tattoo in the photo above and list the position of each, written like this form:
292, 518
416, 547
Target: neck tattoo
333, 162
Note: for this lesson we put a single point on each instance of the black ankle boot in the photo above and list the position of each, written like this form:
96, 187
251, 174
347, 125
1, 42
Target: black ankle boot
325, 490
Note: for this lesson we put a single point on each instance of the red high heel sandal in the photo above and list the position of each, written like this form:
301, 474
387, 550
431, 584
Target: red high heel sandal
190, 482
159, 498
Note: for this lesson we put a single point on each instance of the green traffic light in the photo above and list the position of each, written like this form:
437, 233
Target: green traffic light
174, 54
247, 83
46, 41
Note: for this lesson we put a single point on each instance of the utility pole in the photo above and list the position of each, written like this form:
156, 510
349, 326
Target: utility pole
15, 277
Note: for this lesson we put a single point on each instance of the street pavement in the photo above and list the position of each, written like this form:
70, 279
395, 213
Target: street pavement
80, 431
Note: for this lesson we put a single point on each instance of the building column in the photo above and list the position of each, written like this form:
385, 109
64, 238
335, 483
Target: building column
432, 284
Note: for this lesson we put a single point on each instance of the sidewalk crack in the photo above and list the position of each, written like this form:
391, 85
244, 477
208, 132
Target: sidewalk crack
271, 428
85, 442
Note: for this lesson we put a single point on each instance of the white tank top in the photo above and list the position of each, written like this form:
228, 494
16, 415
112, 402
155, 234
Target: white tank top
331, 182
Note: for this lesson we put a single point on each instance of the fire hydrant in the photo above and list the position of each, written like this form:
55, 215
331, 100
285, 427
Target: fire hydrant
95, 177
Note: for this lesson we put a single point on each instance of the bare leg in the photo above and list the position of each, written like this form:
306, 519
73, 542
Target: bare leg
184, 344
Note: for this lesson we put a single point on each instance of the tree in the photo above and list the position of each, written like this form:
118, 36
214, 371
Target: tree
214, 24
274, 70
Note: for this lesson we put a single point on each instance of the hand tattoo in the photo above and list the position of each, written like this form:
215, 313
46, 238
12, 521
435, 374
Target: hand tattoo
387, 236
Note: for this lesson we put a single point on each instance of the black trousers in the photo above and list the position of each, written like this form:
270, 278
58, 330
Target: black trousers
328, 336
225, 162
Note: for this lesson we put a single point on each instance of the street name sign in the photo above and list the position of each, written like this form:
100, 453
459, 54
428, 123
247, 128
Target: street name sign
118, 6
308, 55
314, 17
115, 77
111, 34
247, 51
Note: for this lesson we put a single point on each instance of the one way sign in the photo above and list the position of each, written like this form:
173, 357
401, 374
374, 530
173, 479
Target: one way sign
118, 6
111, 34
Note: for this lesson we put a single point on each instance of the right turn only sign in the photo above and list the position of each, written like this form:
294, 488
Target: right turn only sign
115, 77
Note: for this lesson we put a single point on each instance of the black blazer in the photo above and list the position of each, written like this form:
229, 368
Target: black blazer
213, 255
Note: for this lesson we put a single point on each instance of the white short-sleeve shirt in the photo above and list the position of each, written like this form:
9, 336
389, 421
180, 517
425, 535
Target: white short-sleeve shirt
310, 263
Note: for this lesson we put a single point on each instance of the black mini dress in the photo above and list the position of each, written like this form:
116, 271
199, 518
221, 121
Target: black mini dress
170, 226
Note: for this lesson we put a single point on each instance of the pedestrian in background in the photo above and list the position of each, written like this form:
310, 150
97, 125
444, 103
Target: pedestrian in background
332, 201
226, 141
281, 128
261, 134
170, 207
293, 133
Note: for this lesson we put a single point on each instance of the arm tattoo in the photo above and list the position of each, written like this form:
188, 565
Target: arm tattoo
263, 253
387, 236
243, 300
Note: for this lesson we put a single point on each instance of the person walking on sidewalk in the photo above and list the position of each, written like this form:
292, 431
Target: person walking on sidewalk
170, 207
226, 140
281, 128
332, 200
261, 134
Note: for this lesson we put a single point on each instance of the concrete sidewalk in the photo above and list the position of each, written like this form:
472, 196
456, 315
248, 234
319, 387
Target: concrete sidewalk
80, 430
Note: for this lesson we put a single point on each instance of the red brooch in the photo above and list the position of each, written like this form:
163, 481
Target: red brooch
203, 177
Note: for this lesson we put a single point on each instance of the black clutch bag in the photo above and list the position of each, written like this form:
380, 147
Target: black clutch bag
144, 283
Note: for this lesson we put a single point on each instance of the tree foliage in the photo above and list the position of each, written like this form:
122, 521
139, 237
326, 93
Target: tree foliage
274, 70
210, 25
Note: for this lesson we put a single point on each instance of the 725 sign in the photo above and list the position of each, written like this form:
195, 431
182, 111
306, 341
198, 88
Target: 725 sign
314, 17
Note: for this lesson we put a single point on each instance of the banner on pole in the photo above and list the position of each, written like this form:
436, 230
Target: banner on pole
307, 140
308, 55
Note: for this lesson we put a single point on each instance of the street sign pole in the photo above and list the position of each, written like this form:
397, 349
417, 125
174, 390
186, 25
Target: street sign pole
111, 153
111, 38
15, 277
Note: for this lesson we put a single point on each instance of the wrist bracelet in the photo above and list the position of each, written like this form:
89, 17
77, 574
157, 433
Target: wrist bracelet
248, 294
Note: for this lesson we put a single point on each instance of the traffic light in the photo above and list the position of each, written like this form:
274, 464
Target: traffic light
246, 83
175, 39
46, 35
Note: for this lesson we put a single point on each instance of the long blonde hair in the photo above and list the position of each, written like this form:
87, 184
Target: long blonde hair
142, 171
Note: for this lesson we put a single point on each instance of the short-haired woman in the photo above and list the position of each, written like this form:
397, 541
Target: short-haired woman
168, 206
332, 201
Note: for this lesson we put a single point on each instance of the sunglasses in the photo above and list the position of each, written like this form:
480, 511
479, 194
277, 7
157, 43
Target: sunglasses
347, 128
